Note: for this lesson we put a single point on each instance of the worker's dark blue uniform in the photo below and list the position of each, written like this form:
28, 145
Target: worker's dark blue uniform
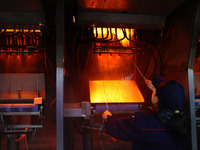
144, 130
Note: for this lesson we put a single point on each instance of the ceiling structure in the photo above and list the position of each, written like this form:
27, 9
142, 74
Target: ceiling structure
144, 7
140, 13
34, 11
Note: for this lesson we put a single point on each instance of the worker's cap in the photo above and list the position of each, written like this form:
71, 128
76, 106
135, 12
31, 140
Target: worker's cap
170, 93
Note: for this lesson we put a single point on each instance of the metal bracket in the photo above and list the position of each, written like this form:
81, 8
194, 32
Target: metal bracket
82, 109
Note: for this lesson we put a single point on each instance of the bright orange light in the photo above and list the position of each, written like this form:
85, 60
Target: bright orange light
107, 62
115, 91
17, 105
74, 19
119, 5
106, 33
38, 100
17, 30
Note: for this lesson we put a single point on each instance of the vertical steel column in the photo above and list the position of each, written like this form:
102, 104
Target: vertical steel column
11, 144
192, 109
191, 78
59, 74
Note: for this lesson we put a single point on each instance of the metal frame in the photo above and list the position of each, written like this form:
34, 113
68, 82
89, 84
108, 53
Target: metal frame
154, 21
73, 110
87, 110
82, 109
191, 78
59, 74
192, 109
119, 18
21, 18
20, 113
23, 126
20, 129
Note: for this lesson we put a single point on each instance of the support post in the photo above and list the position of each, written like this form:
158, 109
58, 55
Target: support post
59, 74
191, 78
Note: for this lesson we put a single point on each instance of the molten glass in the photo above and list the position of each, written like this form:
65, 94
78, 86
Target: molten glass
115, 91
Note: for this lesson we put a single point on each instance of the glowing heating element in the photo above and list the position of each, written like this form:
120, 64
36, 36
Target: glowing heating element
118, 32
115, 91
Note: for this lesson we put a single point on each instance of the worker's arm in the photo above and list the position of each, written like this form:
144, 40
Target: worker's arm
150, 85
106, 114
122, 128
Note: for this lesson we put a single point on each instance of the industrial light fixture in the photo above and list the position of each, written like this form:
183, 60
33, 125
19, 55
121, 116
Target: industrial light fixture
124, 36
19, 39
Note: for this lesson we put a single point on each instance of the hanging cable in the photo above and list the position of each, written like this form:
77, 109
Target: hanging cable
105, 40
105, 94
100, 140
26, 142
139, 71
148, 45
52, 109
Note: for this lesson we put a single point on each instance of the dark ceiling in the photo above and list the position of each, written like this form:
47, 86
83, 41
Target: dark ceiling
145, 7
27, 12
126, 13
12, 11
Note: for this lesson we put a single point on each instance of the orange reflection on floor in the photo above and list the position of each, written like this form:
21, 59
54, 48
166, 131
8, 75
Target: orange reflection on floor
115, 91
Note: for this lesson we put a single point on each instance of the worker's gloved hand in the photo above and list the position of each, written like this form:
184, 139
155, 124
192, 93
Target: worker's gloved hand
105, 114
150, 85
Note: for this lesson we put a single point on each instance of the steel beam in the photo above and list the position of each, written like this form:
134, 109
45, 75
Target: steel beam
119, 18
21, 18
192, 109
59, 74
20, 113
191, 78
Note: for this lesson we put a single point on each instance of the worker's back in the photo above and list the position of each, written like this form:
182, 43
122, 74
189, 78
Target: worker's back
152, 134
145, 131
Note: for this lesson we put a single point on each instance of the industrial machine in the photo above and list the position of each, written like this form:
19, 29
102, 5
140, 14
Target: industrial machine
22, 94
99, 59
108, 74
22, 75
22, 90
109, 50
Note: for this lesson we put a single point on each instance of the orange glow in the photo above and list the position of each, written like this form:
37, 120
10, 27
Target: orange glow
105, 5
106, 33
17, 30
38, 100
23, 95
17, 105
21, 41
115, 91
74, 19
107, 62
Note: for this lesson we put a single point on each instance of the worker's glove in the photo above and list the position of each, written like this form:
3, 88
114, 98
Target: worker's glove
105, 114
150, 85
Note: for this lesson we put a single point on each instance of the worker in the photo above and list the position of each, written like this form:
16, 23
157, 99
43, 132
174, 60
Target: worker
163, 126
